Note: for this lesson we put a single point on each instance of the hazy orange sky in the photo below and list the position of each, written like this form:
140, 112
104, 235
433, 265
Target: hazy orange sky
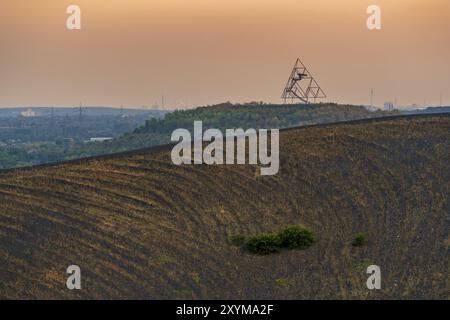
197, 52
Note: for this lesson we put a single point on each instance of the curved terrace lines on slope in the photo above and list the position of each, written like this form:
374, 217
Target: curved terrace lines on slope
41, 196
144, 228
113, 196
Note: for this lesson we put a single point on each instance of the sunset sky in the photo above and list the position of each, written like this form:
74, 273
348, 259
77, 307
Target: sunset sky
198, 52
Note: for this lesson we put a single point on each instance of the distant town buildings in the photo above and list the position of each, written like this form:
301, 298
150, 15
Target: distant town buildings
99, 139
29, 113
371, 108
388, 106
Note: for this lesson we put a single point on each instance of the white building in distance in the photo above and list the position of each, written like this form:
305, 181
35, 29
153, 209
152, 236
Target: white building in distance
29, 113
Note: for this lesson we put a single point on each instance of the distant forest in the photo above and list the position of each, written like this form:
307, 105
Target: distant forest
53, 137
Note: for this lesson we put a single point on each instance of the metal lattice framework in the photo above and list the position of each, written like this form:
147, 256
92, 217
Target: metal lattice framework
302, 85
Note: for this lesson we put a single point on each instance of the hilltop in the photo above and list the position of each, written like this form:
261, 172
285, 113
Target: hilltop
140, 227
251, 115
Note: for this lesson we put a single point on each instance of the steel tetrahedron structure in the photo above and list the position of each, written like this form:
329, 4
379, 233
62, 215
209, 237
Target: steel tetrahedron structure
302, 85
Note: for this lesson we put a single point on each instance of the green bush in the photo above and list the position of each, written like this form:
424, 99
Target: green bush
237, 239
360, 240
293, 237
263, 244
296, 237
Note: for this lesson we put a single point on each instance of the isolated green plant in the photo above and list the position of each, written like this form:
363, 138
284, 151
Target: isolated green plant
360, 240
296, 237
361, 266
285, 282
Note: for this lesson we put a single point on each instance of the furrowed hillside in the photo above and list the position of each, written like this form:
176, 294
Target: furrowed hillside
141, 227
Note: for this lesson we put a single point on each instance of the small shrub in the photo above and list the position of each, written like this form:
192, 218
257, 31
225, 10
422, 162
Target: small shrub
237, 239
361, 266
285, 282
263, 244
196, 277
164, 259
296, 237
293, 237
360, 240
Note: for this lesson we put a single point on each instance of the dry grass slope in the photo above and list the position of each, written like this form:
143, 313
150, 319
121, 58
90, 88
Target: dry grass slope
140, 227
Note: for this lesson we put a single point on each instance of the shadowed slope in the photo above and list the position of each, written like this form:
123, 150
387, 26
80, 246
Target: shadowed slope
140, 227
